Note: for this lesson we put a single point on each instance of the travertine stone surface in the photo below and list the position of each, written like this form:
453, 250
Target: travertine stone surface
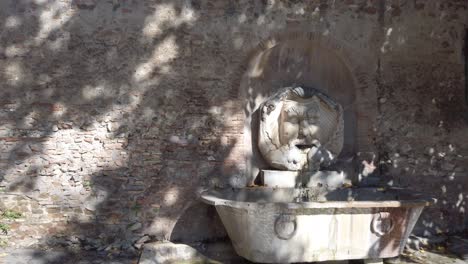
281, 178
290, 225
300, 129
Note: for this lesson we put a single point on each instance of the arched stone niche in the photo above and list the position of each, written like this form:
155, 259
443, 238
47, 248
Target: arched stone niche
310, 60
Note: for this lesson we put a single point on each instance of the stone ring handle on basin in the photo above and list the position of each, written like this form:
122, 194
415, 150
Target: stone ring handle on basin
382, 223
285, 226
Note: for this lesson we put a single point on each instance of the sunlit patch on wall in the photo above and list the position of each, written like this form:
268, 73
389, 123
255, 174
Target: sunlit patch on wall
164, 53
52, 18
14, 73
12, 22
170, 198
166, 16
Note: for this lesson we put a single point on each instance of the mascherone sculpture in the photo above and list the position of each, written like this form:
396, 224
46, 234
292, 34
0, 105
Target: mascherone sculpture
300, 130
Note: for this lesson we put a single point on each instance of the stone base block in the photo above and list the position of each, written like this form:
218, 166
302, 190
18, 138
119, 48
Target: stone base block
281, 179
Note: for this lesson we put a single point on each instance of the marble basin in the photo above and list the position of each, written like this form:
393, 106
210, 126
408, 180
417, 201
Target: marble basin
270, 225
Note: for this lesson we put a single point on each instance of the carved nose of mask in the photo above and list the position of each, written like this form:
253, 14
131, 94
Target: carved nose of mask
300, 133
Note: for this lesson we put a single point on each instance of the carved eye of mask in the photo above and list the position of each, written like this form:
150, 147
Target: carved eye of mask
312, 118
292, 119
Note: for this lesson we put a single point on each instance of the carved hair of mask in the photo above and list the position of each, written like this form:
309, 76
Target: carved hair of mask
300, 131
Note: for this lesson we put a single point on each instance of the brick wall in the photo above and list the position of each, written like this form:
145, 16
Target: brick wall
113, 114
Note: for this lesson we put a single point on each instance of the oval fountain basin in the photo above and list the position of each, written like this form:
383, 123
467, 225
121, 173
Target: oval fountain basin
313, 224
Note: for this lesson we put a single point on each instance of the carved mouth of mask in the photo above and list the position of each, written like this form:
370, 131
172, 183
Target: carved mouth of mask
304, 147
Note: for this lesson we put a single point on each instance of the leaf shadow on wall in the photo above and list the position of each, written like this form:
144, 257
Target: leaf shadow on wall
106, 116
107, 124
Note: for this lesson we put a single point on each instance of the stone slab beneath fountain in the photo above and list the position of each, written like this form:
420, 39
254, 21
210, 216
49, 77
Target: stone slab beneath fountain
206, 253
168, 252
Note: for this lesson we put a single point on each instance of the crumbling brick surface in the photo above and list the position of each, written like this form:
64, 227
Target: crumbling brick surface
114, 114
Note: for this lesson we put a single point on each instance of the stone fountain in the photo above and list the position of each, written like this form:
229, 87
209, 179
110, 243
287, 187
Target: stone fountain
303, 210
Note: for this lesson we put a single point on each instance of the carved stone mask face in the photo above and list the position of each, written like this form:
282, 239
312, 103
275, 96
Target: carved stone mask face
295, 127
299, 122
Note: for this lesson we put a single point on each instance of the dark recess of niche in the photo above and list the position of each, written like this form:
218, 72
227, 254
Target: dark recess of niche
465, 54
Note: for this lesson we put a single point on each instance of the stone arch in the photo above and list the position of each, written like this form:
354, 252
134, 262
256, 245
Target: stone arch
312, 60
